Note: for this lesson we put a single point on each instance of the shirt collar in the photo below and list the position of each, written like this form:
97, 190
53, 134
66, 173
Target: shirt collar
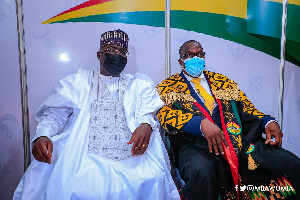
189, 78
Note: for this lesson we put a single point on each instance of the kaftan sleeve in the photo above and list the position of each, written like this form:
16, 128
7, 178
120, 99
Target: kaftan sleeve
55, 112
53, 122
142, 102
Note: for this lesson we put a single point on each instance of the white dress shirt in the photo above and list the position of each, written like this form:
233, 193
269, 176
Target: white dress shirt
112, 84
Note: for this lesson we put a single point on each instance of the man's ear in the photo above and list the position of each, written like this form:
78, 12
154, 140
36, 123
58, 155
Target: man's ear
98, 55
180, 62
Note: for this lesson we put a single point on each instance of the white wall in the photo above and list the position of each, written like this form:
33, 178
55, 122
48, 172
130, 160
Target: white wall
11, 137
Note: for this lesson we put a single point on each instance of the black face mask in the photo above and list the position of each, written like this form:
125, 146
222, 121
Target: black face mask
114, 63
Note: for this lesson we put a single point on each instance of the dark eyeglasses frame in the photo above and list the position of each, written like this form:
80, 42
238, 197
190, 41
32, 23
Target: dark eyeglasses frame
200, 54
115, 51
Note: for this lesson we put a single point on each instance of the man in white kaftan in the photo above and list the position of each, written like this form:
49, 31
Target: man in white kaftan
104, 142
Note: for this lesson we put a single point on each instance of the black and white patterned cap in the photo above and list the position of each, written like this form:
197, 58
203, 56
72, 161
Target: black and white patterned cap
116, 37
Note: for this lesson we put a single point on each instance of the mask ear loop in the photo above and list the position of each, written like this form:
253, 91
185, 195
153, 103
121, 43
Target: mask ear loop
183, 67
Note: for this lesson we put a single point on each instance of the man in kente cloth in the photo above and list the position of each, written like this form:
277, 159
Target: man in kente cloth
216, 136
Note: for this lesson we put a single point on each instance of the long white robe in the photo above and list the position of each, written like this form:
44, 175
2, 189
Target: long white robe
75, 174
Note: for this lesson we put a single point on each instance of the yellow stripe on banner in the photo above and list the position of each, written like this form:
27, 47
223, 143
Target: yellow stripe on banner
236, 8
295, 2
112, 7
278, 1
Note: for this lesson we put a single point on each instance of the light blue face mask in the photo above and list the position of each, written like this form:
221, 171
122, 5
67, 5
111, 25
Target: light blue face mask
194, 66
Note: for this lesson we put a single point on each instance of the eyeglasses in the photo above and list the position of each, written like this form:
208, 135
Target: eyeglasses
116, 51
192, 55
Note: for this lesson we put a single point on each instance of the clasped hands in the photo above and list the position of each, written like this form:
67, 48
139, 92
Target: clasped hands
215, 136
43, 147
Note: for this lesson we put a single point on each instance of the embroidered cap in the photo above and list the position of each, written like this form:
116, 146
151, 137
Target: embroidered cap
117, 37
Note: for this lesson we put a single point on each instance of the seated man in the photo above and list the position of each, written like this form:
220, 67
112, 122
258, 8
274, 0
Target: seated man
97, 137
215, 133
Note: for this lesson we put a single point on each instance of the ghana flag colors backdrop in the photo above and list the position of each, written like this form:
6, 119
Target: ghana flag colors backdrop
253, 23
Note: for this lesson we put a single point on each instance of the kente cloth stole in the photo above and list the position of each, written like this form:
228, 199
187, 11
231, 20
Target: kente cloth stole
227, 90
229, 126
174, 91
208, 99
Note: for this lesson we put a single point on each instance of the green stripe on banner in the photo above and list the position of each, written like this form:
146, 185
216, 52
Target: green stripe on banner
292, 47
265, 18
149, 18
293, 23
233, 29
222, 26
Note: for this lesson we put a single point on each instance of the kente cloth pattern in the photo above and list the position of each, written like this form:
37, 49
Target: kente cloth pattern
174, 89
263, 164
230, 118
226, 89
109, 132
269, 187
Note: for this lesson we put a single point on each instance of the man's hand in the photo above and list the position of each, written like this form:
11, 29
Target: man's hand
42, 149
273, 129
141, 138
214, 136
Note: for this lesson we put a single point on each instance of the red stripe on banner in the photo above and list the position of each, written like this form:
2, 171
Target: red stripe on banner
83, 5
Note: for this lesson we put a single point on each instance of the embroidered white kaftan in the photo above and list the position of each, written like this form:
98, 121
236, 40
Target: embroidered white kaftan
75, 173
